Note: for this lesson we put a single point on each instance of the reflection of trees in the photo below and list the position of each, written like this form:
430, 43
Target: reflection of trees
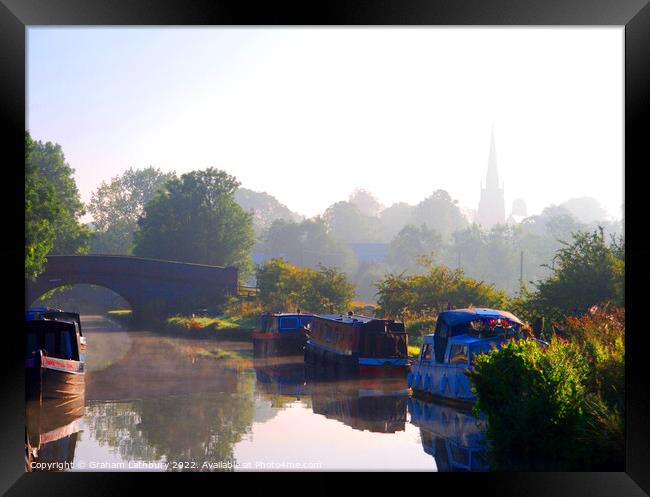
199, 427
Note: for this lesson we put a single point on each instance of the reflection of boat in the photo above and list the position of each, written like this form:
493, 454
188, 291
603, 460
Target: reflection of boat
447, 355
277, 376
51, 429
377, 405
54, 365
281, 333
454, 438
358, 344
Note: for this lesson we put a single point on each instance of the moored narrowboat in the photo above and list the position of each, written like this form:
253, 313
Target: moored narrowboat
358, 344
54, 364
281, 333
449, 353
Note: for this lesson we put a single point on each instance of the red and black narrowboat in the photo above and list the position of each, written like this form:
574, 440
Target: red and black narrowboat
359, 344
282, 333
54, 364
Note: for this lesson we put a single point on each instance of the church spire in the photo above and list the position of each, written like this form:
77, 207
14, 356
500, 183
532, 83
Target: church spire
492, 180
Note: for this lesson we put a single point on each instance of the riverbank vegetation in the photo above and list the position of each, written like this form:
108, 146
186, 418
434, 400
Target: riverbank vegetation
558, 408
53, 207
285, 287
562, 407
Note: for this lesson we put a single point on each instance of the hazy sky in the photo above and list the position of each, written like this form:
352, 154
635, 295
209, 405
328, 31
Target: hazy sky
310, 114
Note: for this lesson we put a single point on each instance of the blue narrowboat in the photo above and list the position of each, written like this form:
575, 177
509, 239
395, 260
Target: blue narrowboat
447, 354
281, 333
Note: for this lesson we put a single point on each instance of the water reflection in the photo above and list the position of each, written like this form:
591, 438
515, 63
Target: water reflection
454, 437
192, 405
186, 428
51, 428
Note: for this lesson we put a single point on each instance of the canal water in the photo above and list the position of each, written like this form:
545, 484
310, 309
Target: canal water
157, 403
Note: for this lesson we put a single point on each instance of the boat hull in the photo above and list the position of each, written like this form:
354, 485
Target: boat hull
441, 382
46, 384
352, 364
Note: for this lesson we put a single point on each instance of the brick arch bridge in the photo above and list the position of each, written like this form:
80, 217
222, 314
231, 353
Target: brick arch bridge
152, 288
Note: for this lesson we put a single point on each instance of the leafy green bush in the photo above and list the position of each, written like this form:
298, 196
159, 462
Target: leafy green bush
425, 294
284, 287
559, 407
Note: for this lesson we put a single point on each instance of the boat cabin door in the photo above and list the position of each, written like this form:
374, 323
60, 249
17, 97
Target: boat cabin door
441, 338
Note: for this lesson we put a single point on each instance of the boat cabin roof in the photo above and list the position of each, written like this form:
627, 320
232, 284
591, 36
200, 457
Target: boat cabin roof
458, 316
49, 326
351, 318
465, 339
288, 314
470, 339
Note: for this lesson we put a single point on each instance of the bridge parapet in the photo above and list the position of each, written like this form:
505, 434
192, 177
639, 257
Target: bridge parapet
144, 283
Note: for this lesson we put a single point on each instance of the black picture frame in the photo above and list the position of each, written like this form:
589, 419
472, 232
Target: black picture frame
16, 15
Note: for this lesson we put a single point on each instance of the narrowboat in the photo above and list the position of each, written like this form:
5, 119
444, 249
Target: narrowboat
54, 364
448, 353
281, 333
356, 344
455, 438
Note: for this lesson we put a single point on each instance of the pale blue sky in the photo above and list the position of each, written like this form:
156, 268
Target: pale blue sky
310, 114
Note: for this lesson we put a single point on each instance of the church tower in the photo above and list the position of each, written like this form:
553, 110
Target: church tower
491, 208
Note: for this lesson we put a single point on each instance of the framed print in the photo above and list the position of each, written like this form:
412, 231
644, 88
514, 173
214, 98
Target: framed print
344, 238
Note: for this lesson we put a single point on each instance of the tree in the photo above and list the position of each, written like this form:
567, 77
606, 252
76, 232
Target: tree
347, 223
196, 219
393, 219
283, 286
439, 212
265, 209
585, 272
409, 245
366, 202
585, 209
307, 244
117, 205
423, 295
328, 291
52, 207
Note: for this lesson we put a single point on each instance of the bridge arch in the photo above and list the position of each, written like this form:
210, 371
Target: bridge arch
82, 295
153, 288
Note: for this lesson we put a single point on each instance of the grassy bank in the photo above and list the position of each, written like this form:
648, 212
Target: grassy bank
228, 327
122, 316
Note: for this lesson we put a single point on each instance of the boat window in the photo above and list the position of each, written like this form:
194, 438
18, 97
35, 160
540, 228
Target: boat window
32, 342
305, 320
482, 348
458, 353
287, 324
50, 344
328, 333
65, 344
427, 350
441, 336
